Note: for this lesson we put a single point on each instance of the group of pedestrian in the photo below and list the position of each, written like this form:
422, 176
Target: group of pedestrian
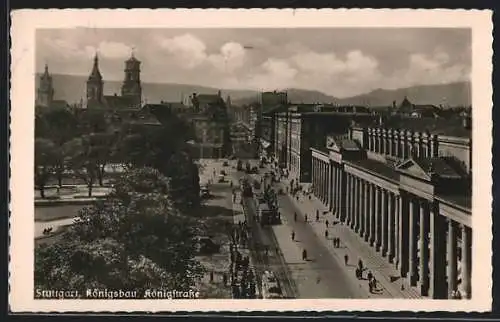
336, 242
243, 280
240, 234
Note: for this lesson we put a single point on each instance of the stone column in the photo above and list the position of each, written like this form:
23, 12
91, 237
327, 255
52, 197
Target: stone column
373, 217
342, 195
424, 248
404, 235
437, 284
353, 201
378, 224
385, 224
313, 174
349, 198
451, 253
366, 212
390, 216
413, 218
356, 205
331, 186
466, 261
396, 229
362, 219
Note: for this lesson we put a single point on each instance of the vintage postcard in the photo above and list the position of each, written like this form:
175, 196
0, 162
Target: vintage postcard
251, 160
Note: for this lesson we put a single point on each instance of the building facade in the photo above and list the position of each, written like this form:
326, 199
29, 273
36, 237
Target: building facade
45, 92
299, 132
408, 195
131, 91
210, 121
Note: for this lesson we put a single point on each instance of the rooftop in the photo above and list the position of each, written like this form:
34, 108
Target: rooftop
377, 167
451, 126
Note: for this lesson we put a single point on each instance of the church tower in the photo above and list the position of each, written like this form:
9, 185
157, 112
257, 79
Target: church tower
131, 88
95, 86
45, 92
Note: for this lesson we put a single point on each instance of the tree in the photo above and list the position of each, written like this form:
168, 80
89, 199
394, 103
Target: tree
135, 239
184, 180
45, 160
82, 156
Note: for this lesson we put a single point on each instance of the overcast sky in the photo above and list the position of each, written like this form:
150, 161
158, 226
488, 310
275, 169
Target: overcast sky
340, 62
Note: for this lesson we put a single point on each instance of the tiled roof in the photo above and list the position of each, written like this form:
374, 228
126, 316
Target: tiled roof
348, 145
115, 101
377, 167
438, 166
462, 200
448, 126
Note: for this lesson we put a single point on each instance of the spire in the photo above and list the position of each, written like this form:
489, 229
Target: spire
95, 74
46, 72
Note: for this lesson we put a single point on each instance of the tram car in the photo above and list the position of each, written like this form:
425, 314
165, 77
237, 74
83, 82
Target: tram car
271, 288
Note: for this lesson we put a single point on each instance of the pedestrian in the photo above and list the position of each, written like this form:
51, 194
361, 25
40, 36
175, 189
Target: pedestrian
374, 281
360, 264
346, 259
369, 275
305, 218
297, 197
326, 223
304, 255
295, 217
309, 197
211, 276
317, 215
326, 233
293, 235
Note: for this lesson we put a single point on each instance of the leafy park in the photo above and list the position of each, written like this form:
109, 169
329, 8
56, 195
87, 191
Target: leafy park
143, 233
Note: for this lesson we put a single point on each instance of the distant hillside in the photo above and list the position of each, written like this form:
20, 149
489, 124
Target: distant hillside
295, 96
72, 88
453, 94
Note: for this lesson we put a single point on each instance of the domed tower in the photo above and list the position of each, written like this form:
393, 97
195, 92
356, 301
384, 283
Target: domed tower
45, 91
95, 86
131, 87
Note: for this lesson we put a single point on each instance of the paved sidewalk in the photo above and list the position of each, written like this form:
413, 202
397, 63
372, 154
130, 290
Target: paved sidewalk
389, 280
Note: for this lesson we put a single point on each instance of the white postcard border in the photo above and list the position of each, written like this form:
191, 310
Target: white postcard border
24, 24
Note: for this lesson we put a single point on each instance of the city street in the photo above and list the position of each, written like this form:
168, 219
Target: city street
321, 276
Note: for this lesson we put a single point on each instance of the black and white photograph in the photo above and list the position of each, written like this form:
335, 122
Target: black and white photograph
306, 158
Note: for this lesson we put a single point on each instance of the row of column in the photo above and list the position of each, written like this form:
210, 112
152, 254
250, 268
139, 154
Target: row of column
320, 179
401, 147
405, 229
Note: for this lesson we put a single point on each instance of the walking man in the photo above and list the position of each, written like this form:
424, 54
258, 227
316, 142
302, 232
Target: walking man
346, 259
317, 215
326, 223
326, 233
293, 235
295, 217
305, 218
304, 255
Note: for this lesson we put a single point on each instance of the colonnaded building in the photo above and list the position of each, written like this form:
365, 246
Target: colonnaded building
407, 194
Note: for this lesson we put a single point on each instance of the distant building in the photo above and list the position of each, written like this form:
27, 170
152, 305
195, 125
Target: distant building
45, 93
407, 192
417, 111
131, 91
210, 121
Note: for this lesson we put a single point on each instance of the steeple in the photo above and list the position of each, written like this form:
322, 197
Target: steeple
131, 88
45, 91
95, 86
95, 74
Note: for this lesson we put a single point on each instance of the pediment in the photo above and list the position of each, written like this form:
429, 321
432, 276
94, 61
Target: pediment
412, 168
